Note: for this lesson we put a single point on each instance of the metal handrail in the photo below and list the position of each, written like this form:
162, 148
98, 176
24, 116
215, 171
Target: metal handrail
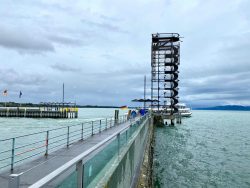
53, 129
95, 126
79, 159
19, 147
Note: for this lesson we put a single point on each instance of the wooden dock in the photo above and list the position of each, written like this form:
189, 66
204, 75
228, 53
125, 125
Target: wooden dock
43, 111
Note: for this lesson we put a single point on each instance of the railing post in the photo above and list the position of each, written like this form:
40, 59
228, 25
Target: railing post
118, 138
68, 138
14, 180
92, 128
126, 135
106, 125
47, 144
100, 126
80, 174
110, 123
12, 154
82, 132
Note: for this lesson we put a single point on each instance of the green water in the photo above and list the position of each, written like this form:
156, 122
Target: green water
35, 144
12, 127
210, 149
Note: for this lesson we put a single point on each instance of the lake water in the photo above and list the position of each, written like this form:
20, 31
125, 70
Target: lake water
210, 149
35, 144
12, 127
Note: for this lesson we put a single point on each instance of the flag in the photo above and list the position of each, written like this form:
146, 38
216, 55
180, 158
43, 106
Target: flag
5, 92
20, 94
123, 107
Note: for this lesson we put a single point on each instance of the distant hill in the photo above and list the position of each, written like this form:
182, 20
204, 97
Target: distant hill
227, 107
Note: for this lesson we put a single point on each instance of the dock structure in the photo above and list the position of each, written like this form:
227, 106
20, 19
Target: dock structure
109, 154
44, 110
165, 60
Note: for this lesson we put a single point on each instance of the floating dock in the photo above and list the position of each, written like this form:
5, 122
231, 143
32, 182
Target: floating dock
45, 110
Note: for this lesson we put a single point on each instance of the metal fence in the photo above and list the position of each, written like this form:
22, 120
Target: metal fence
27, 147
98, 170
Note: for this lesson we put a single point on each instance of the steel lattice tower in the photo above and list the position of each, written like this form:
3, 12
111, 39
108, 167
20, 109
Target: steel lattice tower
165, 59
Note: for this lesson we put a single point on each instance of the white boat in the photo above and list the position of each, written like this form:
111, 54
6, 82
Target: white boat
182, 108
185, 112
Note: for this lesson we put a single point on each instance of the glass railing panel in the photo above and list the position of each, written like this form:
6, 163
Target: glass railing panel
95, 165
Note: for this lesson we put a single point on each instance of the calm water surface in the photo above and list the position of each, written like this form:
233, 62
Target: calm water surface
210, 149
11, 127
35, 145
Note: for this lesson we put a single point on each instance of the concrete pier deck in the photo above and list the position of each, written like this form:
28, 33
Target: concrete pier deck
35, 170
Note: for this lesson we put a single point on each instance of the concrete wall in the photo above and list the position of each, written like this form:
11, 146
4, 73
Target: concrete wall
145, 179
135, 162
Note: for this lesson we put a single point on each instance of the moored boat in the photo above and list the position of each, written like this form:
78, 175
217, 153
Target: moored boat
184, 110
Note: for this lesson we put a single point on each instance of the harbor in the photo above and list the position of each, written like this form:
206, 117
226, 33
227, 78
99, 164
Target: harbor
124, 94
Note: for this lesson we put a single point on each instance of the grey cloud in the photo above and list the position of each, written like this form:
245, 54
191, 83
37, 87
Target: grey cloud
103, 25
65, 40
216, 90
214, 55
23, 41
107, 56
109, 18
11, 77
231, 57
65, 68
221, 76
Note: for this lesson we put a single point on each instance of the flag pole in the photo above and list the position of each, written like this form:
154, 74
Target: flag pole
5, 93
5, 101
63, 95
145, 92
20, 96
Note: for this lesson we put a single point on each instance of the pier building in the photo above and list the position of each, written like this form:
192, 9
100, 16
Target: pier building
44, 110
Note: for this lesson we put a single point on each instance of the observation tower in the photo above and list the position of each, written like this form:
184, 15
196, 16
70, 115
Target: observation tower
165, 60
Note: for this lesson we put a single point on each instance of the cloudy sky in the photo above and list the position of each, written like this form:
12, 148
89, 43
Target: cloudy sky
100, 49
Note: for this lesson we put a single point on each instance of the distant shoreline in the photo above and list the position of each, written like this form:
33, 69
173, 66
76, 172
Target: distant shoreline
226, 108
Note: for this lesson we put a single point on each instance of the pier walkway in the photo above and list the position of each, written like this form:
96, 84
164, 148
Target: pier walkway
52, 170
